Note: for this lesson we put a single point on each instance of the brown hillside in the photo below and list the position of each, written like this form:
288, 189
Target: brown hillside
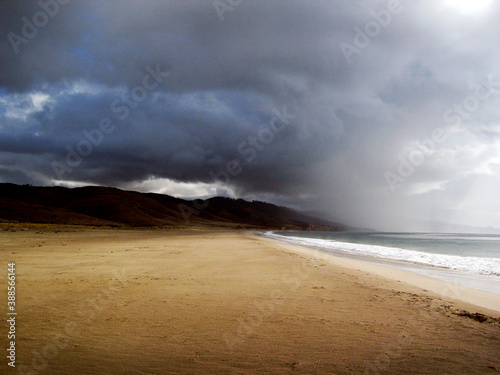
111, 206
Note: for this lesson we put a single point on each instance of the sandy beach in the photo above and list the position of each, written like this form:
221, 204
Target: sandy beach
221, 302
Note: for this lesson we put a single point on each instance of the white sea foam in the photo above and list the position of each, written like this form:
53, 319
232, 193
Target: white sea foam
471, 265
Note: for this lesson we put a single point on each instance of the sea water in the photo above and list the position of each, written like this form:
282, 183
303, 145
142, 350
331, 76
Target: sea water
471, 260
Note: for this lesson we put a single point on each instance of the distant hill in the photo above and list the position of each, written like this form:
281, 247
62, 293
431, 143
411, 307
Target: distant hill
104, 206
443, 227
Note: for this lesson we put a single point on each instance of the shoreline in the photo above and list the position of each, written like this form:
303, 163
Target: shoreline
226, 302
480, 298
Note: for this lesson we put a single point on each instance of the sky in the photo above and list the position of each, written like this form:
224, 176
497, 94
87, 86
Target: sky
381, 114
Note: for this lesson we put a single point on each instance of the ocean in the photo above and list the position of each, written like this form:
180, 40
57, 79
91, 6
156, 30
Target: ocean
471, 260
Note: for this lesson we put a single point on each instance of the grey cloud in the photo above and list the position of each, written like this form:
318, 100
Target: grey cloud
353, 121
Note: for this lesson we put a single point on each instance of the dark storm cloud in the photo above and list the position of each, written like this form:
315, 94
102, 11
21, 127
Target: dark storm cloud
213, 84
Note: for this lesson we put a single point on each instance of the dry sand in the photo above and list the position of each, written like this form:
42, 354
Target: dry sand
194, 302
